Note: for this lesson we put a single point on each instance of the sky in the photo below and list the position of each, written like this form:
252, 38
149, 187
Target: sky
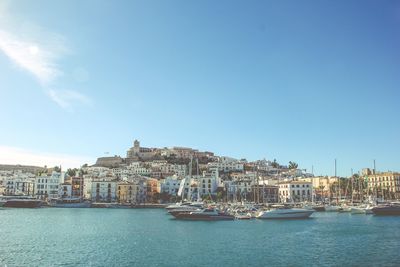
304, 81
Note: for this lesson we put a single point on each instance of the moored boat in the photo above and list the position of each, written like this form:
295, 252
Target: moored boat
387, 209
185, 205
362, 209
331, 208
290, 213
208, 214
21, 202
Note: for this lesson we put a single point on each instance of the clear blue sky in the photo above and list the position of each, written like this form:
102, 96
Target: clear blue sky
307, 81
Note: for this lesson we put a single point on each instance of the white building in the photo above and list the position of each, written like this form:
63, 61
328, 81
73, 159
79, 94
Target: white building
104, 190
226, 166
19, 185
170, 185
65, 191
47, 186
295, 191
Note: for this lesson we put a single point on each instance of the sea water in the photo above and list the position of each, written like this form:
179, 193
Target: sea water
150, 237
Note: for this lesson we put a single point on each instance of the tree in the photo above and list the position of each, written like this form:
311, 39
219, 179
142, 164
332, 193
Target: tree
275, 164
293, 165
57, 169
71, 172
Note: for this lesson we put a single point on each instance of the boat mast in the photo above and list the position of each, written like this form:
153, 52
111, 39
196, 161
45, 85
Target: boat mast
352, 186
376, 184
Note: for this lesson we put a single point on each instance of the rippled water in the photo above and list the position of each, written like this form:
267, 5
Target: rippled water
129, 237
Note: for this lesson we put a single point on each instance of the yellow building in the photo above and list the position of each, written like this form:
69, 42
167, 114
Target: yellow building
321, 184
386, 184
126, 192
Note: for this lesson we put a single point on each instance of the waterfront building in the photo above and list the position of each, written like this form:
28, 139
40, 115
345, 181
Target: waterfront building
19, 185
126, 192
87, 186
208, 184
384, 184
295, 191
65, 190
239, 190
322, 185
77, 186
47, 186
265, 193
103, 190
170, 185
153, 189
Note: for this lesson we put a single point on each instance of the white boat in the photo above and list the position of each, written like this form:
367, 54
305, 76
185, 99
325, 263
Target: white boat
185, 205
291, 213
361, 209
2, 202
345, 208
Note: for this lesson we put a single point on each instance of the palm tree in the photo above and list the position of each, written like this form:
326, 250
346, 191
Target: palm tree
293, 165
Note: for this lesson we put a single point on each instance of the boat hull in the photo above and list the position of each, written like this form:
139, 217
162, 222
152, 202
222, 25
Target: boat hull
23, 204
282, 214
319, 208
203, 217
386, 211
332, 208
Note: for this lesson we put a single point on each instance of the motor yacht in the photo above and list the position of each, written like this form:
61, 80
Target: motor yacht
208, 214
285, 213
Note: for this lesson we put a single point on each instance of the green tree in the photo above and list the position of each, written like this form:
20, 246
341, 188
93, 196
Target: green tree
57, 169
71, 172
293, 165
275, 164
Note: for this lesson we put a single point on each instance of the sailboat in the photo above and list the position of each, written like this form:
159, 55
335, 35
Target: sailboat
329, 207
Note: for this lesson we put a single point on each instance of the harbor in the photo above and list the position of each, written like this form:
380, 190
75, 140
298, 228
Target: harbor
151, 237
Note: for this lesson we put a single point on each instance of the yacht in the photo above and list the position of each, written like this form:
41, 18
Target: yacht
183, 209
208, 214
362, 209
184, 205
2, 202
285, 213
21, 202
344, 208
387, 209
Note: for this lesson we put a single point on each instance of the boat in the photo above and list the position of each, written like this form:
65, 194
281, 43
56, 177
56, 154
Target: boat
387, 209
318, 207
208, 214
21, 202
362, 209
2, 202
314, 207
331, 208
344, 208
187, 209
184, 205
285, 213
243, 217
68, 203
